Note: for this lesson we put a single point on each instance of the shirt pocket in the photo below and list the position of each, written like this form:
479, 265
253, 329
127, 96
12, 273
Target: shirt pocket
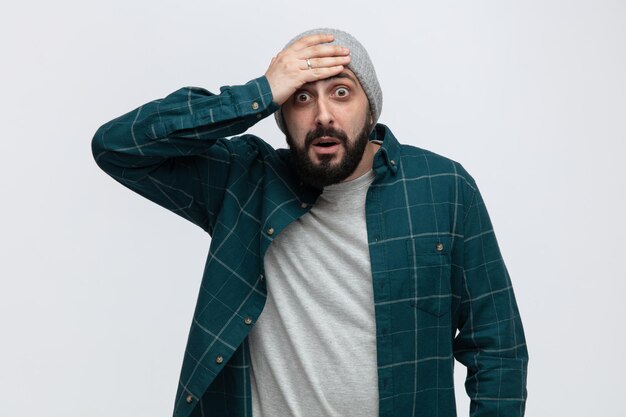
430, 264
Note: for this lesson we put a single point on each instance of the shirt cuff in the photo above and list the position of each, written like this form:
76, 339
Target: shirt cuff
254, 98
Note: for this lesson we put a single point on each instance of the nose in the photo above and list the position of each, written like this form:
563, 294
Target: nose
324, 116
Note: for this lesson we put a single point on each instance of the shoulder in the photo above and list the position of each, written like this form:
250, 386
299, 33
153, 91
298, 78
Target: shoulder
420, 162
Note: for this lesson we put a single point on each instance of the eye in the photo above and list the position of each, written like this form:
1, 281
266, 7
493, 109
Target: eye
302, 97
342, 92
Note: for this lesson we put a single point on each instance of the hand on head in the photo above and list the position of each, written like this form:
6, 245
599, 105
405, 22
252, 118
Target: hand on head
306, 60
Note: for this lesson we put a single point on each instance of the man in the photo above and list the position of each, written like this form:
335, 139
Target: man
340, 270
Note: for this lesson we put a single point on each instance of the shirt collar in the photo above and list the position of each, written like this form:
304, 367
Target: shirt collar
388, 156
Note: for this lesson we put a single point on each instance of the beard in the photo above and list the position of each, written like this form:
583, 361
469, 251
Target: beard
324, 173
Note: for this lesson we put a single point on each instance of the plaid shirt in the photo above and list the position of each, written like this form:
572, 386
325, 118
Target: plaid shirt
436, 266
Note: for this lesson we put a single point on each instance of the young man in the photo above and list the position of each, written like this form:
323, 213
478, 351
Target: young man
340, 270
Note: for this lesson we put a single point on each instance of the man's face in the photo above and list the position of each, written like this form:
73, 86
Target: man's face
327, 125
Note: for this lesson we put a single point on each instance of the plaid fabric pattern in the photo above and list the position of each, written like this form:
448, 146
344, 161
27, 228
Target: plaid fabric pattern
441, 288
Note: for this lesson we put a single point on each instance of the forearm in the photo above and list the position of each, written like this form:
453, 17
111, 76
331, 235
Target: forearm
186, 122
496, 358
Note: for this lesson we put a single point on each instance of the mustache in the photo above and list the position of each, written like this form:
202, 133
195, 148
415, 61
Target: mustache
325, 131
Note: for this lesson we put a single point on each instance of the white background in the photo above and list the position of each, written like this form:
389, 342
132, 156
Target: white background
98, 286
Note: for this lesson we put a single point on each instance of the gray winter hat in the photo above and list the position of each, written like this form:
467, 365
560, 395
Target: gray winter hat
360, 64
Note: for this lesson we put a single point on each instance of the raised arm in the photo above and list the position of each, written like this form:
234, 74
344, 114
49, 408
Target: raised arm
173, 151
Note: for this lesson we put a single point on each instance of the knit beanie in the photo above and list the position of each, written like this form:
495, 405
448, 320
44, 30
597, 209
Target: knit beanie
360, 64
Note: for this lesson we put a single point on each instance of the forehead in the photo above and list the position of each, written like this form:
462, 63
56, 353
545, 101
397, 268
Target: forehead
346, 74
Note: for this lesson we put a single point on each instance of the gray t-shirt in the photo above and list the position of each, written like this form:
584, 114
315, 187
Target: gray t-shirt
313, 349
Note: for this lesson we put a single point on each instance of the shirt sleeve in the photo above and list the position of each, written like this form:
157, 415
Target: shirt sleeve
490, 340
174, 151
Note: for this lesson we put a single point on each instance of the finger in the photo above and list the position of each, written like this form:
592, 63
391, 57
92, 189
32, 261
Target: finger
311, 40
318, 51
327, 62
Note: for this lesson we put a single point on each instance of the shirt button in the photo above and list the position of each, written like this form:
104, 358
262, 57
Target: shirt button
270, 231
189, 399
261, 277
439, 247
304, 205
255, 106
248, 321
219, 359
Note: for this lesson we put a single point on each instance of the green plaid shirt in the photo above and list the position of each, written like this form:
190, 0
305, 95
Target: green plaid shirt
436, 266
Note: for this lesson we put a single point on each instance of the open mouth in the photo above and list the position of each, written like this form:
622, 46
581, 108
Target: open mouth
325, 145
325, 142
